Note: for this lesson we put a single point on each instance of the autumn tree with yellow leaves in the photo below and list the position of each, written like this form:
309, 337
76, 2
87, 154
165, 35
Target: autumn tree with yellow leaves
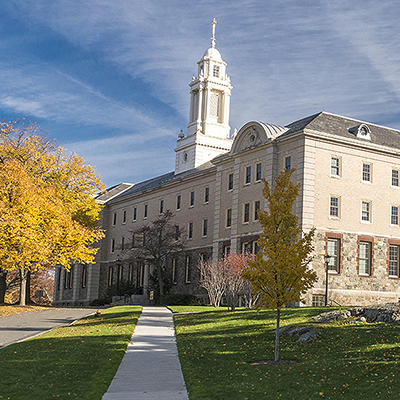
281, 273
48, 214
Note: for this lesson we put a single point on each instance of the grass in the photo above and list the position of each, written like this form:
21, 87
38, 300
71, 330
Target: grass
78, 361
10, 310
345, 362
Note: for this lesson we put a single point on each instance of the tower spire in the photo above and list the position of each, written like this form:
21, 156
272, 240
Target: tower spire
214, 22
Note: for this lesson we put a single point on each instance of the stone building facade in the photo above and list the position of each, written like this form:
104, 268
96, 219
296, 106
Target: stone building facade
350, 192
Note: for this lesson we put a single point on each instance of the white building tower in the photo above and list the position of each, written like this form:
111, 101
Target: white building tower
208, 129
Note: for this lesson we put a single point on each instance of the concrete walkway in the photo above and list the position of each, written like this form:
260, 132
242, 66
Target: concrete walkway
17, 327
150, 369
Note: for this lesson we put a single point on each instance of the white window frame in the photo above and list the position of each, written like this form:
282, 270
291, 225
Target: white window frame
123, 217
205, 227
337, 168
394, 260
228, 217
190, 230
285, 165
230, 182
206, 194
134, 215
245, 205
334, 260
256, 209
114, 221
178, 202
247, 175
394, 215
367, 258
258, 172
332, 207
146, 211
161, 209
366, 211
191, 199
394, 178
366, 173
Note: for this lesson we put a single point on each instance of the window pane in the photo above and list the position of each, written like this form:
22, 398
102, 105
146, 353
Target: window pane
246, 216
394, 218
334, 166
364, 258
366, 176
288, 163
334, 207
333, 251
395, 177
394, 260
365, 206
248, 174
258, 172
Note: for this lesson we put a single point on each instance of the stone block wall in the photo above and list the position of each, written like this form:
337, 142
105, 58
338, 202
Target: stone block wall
347, 286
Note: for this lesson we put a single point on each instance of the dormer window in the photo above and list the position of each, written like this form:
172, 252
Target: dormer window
216, 71
361, 131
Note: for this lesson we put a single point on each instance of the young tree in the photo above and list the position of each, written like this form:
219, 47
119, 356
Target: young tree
48, 214
212, 279
224, 277
156, 243
234, 264
281, 272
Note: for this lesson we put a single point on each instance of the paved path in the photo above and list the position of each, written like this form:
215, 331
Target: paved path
14, 328
150, 369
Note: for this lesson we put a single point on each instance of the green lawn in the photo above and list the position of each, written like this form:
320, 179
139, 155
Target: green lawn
345, 362
78, 361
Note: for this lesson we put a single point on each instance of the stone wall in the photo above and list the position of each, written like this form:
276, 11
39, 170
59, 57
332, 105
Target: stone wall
347, 286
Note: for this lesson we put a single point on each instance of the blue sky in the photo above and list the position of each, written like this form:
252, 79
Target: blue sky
109, 79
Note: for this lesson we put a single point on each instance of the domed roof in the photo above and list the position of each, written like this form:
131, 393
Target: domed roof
212, 53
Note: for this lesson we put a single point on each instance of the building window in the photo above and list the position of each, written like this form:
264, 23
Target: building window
394, 215
110, 275
245, 247
394, 260
84, 276
288, 163
120, 272
112, 245
395, 177
192, 198
174, 270
205, 226
216, 71
335, 166
366, 172
161, 206
228, 217
130, 273
230, 182
190, 230
124, 217
366, 211
144, 239
188, 269
256, 248
258, 172
115, 219
318, 300
133, 241
227, 251
364, 259
134, 213
333, 250
178, 202
177, 232
248, 175
256, 208
146, 208
206, 194
246, 212
334, 207
122, 243
69, 278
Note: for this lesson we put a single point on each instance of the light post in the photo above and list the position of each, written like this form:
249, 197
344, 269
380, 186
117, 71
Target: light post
327, 260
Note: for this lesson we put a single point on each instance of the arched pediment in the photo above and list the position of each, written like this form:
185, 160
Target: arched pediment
254, 134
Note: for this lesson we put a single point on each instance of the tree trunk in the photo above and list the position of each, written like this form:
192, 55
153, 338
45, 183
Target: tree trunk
3, 276
22, 290
278, 315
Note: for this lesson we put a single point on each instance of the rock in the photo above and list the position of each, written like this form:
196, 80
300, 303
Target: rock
284, 328
296, 331
332, 316
311, 334
388, 313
